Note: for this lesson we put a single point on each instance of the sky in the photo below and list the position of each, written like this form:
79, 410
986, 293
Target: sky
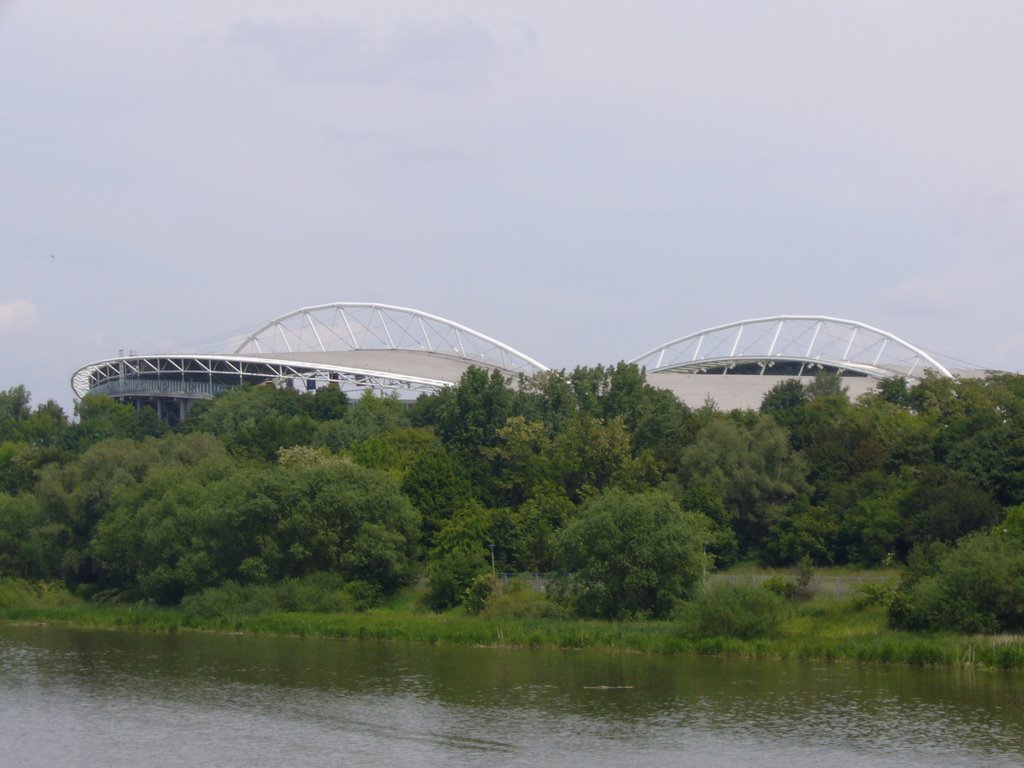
581, 180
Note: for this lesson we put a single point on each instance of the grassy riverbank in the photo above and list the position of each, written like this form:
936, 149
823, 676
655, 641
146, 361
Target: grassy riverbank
823, 629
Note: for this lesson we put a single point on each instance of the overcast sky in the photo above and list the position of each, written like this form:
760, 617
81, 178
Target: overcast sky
582, 180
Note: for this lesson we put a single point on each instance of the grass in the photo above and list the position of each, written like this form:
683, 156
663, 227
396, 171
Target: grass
823, 629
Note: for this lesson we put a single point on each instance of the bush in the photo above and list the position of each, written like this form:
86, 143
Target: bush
867, 595
519, 600
453, 575
737, 611
477, 593
976, 587
316, 593
18, 594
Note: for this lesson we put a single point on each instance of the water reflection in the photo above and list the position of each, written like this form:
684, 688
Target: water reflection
85, 698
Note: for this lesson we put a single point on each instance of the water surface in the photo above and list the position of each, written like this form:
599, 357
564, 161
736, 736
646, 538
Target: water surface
90, 698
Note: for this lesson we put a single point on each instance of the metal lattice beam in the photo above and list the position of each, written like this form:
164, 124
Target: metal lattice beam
358, 326
125, 375
814, 340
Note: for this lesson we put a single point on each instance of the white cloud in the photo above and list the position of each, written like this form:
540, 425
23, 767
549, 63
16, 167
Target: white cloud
17, 316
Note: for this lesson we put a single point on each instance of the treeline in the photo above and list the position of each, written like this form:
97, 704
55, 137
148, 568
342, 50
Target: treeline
615, 485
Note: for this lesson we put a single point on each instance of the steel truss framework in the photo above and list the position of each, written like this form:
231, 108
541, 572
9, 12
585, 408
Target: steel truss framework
274, 353
764, 344
349, 326
206, 375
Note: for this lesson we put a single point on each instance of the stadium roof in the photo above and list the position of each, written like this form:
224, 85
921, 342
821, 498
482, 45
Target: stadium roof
809, 342
360, 345
349, 344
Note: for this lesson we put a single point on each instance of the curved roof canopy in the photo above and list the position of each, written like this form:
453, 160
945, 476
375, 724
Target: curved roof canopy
359, 345
333, 330
758, 345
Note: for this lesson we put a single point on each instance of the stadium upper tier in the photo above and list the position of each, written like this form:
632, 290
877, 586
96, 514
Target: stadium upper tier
355, 345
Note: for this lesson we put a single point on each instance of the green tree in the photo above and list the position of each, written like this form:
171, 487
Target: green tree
30, 546
521, 459
803, 531
254, 422
870, 520
327, 404
590, 455
459, 556
14, 410
943, 505
183, 529
753, 468
436, 486
470, 414
101, 418
784, 396
525, 545
630, 555
77, 496
395, 450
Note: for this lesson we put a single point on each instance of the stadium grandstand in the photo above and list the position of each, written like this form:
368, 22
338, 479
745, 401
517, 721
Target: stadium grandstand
351, 345
357, 346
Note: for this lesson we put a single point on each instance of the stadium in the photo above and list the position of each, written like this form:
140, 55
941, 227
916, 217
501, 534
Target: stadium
389, 349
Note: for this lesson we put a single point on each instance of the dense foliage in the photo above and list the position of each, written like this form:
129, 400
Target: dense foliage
615, 488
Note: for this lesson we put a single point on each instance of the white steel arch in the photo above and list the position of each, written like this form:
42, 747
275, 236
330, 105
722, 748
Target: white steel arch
810, 341
360, 326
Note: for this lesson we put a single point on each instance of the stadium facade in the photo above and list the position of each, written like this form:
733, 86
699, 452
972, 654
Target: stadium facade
358, 345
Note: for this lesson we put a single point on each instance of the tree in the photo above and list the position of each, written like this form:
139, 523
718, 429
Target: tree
520, 460
803, 531
14, 409
870, 522
826, 384
470, 414
101, 418
395, 450
524, 543
78, 496
630, 555
943, 505
753, 468
327, 404
254, 422
29, 542
183, 529
436, 486
459, 556
784, 396
46, 427
590, 455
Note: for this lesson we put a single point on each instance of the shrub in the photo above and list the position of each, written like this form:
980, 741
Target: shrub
872, 594
477, 593
518, 600
737, 611
318, 592
18, 594
452, 575
976, 587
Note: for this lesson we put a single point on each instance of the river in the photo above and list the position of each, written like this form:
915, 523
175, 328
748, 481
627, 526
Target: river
102, 698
